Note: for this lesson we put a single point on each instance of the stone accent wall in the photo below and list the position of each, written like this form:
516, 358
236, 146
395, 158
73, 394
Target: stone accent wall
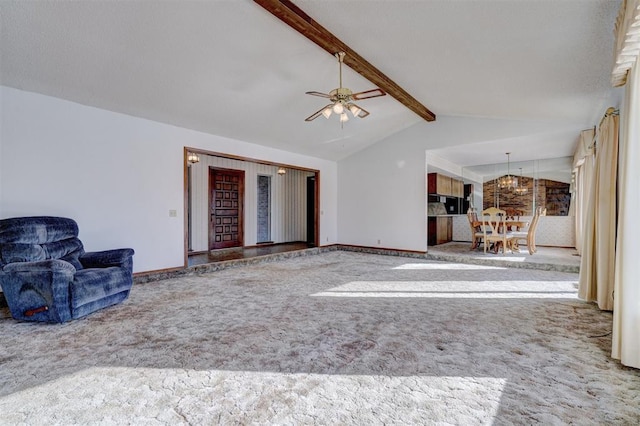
555, 196
558, 198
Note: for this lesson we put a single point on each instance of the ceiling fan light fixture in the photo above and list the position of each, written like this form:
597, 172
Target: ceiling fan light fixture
342, 98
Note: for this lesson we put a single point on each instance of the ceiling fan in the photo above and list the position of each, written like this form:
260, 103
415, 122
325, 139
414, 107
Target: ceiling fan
342, 99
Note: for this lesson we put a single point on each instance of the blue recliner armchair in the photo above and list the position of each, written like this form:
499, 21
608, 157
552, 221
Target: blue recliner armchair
46, 275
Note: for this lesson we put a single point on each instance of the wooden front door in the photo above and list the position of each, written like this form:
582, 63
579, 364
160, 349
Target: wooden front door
226, 200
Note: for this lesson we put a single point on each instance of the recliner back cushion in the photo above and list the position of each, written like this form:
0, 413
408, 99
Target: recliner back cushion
69, 250
37, 229
30, 239
18, 252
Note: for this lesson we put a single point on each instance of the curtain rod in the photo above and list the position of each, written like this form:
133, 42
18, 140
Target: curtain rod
610, 111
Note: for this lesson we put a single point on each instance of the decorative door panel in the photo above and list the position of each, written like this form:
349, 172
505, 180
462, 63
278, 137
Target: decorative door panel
226, 200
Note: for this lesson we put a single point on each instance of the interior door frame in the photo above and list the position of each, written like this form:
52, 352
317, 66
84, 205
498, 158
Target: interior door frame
187, 150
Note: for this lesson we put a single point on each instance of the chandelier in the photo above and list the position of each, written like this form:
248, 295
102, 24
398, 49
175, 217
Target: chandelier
521, 189
508, 182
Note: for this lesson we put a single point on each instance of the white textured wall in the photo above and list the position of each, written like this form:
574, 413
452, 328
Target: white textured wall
117, 175
2, 138
556, 231
288, 201
461, 229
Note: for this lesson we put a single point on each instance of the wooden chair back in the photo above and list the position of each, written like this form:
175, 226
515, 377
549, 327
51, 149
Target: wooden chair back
530, 235
494, 227
476, 231
513, 214
472, 215
540, 211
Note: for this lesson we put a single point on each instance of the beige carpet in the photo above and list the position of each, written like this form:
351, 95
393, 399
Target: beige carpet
336, 338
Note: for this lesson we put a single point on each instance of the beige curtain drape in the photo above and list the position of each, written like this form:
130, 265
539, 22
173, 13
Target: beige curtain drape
598, 244
626, 312
583, 160
627, 41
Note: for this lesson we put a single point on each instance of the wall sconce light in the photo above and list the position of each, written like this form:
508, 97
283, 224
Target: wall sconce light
193, 158
281, 171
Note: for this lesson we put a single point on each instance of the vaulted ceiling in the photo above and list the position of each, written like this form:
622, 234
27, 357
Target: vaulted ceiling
232, 69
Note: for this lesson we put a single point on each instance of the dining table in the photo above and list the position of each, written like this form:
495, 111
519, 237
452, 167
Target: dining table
510, 224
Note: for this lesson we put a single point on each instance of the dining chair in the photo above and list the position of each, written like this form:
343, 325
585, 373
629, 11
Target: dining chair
530, 234
494, 228
477, 234
513, 214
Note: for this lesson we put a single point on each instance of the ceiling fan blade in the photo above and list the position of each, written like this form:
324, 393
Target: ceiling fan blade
363, 112
317, 113
373, 93
322, 95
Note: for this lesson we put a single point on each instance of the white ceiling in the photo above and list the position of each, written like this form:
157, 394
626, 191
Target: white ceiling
230, 68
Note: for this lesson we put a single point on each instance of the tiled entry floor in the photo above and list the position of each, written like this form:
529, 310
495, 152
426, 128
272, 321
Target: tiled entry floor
244, 253
547, 258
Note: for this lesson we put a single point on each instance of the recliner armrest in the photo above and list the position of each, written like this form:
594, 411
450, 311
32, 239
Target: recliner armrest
40, 266
104, 259
39, 289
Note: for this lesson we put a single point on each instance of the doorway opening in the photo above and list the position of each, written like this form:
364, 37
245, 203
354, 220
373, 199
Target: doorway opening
237, 207
311, 210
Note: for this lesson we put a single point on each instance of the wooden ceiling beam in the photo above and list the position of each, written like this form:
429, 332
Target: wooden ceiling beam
297, 19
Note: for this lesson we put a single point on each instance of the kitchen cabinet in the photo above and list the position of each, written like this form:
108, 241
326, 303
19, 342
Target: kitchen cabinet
438, 184
457, 188
467, 200
447, 194
440, 230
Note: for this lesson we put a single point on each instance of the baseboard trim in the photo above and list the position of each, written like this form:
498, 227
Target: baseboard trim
272, 244
191, 253
382, 251
155, 275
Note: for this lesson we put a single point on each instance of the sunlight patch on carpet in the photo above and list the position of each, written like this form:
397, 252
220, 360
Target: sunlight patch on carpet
499, 257
120, 394
456, 289
444, 266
